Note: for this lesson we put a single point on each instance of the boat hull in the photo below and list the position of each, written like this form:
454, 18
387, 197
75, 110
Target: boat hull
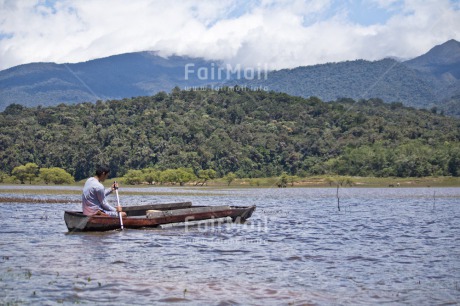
154, 215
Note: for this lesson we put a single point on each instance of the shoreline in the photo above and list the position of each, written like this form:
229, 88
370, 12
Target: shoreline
40, 193
272, 182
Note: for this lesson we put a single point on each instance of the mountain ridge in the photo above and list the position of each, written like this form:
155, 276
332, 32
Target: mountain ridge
426, 81
377, 79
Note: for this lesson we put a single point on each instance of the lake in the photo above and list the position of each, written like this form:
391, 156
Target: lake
385, 245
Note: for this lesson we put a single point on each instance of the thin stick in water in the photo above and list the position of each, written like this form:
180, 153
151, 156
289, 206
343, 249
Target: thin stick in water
338, 199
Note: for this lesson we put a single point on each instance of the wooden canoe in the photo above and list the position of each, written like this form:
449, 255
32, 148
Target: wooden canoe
155, 215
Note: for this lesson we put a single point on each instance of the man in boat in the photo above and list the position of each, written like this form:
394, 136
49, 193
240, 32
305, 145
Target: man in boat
94, 197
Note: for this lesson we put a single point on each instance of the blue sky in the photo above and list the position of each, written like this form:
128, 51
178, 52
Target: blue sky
360, 12
368, 13
282, 34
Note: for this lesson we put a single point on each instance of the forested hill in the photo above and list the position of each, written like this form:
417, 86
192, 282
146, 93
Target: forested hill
253, 134
430, 80
386, 79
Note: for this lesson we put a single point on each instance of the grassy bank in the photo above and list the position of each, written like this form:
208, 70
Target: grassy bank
45, 193
332, 181
271, 182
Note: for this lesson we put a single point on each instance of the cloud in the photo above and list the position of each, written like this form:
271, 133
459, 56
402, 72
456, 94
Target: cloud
283, 34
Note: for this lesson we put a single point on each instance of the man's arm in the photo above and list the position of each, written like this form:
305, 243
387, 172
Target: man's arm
111, 189
101, 195
108, 191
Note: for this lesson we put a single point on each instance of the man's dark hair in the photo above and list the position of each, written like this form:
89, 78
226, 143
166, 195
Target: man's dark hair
101, 170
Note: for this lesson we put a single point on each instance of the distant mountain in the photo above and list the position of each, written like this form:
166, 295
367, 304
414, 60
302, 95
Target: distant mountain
386, 79
428, 81
119, 76
443, 62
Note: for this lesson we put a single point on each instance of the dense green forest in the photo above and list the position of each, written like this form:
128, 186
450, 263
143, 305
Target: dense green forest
249, 133
387, 79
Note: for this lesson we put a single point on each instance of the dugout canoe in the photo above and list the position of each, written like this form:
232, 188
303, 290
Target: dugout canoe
154, 215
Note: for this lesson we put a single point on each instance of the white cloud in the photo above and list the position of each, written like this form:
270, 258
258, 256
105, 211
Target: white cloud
281, 33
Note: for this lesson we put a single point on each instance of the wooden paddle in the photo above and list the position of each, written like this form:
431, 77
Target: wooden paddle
118, 201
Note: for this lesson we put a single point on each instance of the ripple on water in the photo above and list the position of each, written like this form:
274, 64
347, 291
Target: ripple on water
384, 246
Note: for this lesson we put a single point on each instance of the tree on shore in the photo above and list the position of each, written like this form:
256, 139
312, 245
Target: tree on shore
229, 178
179, 175
454, 164
3, 176
283, 180
56, 175
206, 175
25, 172
133, 177
151, 175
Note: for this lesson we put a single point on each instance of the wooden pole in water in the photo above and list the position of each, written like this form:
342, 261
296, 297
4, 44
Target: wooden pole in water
338, 199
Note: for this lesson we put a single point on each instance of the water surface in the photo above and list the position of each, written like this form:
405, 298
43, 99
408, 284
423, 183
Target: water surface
388, 245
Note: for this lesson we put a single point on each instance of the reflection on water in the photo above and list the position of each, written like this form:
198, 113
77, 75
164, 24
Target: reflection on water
383, 246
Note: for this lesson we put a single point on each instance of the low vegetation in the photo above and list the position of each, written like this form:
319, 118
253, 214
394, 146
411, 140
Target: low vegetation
30, 172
